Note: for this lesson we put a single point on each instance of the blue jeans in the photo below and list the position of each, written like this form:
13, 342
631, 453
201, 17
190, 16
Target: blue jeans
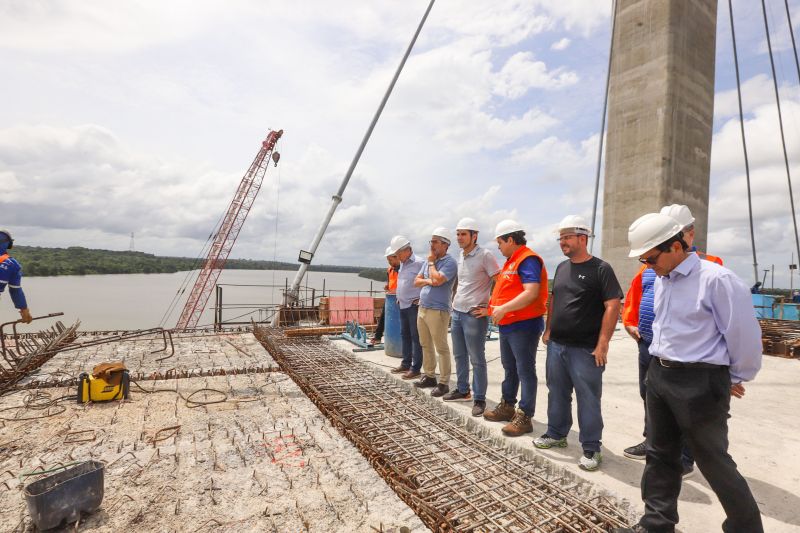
644, 364
568, 368
412, 349
469, 346
518, 355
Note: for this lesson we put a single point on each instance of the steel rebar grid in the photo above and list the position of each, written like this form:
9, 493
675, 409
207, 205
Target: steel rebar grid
452, 477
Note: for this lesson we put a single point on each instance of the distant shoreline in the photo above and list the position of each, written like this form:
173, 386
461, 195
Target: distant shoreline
78, 261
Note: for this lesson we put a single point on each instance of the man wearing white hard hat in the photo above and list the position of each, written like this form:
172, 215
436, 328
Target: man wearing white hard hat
516, 306
582, 314
638, 315
408, 301
477, 267
390, 288
706, 343
435, 280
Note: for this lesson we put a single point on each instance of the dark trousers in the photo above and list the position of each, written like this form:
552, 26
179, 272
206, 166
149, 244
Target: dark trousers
644, 364
412, 349
693, 403
381, 325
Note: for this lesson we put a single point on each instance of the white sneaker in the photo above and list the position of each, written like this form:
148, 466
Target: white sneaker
590, 461
546, 441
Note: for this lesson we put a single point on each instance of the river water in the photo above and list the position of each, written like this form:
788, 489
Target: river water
137, 301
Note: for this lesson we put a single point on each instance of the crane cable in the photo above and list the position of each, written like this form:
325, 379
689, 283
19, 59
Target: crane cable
780, 124
603, 125
744, 141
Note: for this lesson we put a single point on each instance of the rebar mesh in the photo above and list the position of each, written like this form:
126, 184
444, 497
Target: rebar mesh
454, 478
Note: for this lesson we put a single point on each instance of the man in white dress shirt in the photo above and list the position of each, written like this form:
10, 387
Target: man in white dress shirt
706, 343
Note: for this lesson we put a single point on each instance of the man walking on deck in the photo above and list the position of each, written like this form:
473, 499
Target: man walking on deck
476, 269
582, 314
706, 343
11, 276
408, 301
435, 280
517, 304
638, 315
390, 288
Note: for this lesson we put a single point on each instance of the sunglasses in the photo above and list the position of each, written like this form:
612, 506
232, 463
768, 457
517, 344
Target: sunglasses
652, 260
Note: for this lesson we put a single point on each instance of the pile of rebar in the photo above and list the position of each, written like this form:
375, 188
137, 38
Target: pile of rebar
28, 354
780, 337
454, 478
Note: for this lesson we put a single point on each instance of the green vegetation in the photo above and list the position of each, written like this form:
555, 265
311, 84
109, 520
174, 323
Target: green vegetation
377, 274
80, 261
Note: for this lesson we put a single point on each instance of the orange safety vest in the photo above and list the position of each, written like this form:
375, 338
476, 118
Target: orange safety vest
4, 257
630, 310
392, 273
508, 285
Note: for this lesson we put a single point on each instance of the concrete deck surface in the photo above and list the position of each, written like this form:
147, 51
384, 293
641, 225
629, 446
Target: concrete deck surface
764, 435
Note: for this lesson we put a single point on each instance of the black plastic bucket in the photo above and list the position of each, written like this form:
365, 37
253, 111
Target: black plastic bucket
63, 496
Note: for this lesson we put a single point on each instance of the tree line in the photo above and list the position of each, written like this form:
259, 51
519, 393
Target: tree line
79, 261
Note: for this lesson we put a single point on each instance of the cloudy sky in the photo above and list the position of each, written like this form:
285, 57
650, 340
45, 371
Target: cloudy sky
141, 117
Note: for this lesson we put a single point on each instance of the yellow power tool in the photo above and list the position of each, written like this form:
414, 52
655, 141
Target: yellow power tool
107, 382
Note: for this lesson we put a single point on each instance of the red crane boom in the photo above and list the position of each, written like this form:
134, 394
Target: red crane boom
228, 232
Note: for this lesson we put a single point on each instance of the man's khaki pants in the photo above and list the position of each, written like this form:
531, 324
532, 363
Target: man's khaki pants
432, 326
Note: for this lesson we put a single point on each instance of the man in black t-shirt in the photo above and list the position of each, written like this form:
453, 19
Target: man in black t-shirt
582, 313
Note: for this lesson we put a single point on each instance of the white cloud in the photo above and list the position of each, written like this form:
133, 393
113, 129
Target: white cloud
561, 44
521, 73
142, 117
729, 232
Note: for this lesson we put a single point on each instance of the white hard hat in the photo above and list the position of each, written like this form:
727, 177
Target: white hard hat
680, 213
443, 233
389, 251
650, 230
467, 223
574, 224
397, 243
504, 227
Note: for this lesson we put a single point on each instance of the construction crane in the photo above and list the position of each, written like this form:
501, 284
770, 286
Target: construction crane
228, 232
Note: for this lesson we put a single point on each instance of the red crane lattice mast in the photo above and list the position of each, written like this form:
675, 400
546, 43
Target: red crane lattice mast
228, 232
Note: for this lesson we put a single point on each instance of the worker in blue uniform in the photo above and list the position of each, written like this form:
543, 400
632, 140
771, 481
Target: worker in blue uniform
11, 276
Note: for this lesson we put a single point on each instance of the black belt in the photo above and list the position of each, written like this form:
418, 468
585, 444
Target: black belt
666, 363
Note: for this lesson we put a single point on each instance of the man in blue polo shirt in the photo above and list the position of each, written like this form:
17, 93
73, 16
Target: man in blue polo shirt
436, 282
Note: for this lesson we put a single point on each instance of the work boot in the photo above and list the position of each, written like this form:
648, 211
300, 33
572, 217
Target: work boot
502, 413
399, 370
411, 374
478, 408
636, 452
425, 382
440, 390
519, 425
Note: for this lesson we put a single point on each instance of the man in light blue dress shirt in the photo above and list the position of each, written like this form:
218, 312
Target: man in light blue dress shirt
408, 301
706, 343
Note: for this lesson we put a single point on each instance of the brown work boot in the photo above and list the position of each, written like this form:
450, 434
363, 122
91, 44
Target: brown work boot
519, 425
399, 370
502, 413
